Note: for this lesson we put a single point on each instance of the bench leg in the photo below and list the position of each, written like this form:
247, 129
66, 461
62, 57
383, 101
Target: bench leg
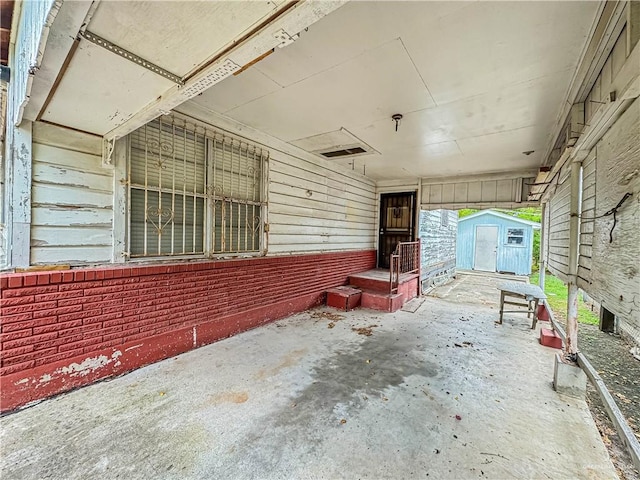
501, 306
535, 314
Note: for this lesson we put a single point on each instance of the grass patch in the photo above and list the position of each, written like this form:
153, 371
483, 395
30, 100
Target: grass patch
557, 299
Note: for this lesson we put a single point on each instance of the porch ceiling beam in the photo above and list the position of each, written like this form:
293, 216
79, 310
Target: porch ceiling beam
604, 34
480, 177
61, 44
132, 57
296, 19
478, 205
607, 32
627, 88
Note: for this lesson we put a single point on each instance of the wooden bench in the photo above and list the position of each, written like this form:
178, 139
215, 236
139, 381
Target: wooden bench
531, 294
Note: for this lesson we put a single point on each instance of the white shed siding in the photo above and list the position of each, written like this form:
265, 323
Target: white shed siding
316, 206
587, 220
72, 198
616, 269
558, 231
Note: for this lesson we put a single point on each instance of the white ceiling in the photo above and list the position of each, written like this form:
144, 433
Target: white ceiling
478, 83
100, 90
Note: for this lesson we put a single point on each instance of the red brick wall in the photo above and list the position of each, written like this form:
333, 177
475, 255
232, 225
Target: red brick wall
64, 329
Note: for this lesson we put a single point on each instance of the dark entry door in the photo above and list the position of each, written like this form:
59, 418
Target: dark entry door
397, 223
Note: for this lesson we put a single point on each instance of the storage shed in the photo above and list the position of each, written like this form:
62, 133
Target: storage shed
495, 242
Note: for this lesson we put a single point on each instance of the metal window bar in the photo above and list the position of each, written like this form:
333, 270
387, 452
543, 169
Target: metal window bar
237, 195
193, 190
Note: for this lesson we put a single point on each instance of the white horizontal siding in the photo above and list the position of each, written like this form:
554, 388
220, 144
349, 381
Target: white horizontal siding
72, 198
615, 273
316, 206
558, 231
587, 220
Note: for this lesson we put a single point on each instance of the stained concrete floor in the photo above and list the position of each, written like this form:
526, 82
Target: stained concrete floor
439, 393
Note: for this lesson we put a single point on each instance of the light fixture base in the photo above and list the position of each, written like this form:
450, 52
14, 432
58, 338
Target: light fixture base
396, 117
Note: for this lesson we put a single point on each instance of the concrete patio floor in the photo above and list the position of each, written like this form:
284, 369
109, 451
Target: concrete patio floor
439, 393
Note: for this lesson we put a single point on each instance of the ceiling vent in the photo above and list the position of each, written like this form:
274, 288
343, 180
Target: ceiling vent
335, 145
345, 152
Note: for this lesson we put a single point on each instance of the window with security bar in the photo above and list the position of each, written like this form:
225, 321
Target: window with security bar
193, 191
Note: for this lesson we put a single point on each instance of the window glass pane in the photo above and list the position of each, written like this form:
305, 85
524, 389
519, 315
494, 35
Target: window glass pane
236, 171
169, 157
169, 225
515, 236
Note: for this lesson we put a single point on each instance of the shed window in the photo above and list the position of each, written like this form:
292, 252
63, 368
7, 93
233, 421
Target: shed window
193, 191
515, 236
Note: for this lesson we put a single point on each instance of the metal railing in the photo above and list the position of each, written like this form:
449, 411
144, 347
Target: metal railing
404, 260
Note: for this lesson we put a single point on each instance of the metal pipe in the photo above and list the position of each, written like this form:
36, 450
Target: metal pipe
571, 345
542, 265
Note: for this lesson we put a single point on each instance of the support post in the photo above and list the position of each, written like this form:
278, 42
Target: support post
571, 344
542, 262
20, 196
120, 201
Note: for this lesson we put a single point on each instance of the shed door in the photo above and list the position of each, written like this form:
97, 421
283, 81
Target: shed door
486, 252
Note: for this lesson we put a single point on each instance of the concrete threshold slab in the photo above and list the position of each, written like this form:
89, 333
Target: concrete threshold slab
443, 391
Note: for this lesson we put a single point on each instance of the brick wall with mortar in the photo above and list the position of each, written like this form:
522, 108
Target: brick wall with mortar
64, 329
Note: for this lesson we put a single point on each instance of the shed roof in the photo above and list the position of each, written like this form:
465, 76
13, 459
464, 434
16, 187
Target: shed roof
504, 216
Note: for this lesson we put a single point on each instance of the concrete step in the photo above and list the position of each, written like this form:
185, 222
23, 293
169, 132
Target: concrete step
543, 314
344, 298
549, 338
378, 281
365, 281
386, 302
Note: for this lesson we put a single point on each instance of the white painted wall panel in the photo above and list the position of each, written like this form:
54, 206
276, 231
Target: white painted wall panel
315, 207
72, 198
615, 264
587, 220
558, 231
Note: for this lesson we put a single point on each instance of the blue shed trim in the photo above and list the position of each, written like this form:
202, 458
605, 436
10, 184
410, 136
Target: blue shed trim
504, 216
